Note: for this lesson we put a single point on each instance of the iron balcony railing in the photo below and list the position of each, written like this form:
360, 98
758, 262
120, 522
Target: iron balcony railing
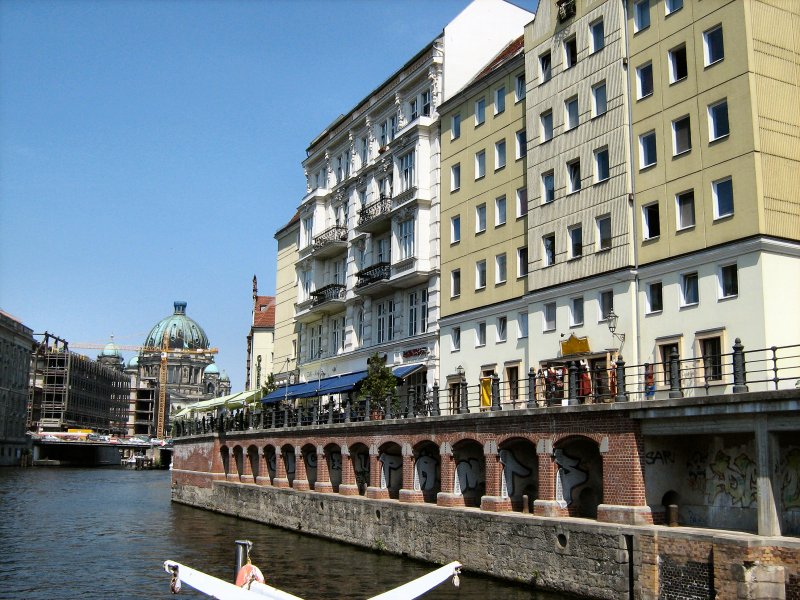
334, 234
373, 210
332, 291
377, 272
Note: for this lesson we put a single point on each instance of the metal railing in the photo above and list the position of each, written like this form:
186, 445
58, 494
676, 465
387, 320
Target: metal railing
334, 234
377, 272
740, 371
373, 210
332, 291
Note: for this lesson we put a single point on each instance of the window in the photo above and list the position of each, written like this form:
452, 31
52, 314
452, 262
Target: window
549, 247
576, 312
499, 155
426, 103
385, 186
571, 115
500, 268
711, 351
689, 293
455, 339
665, 352
598, 35
522, 325
641, 15
455, 177
681, 135
606, 304
522, 261
364, 150
672, 5
305, 281
480, 274
406, 239
455, 283
392, 127
604, 232
407, 171
647, 150
644, 80
502, 329
480, 218
545, 67
522, 202
549, 317
575, 241
338, 335
519, 87
455, 229
499, 100
722, 191
685, 209
574, 176
718, 126
546, 121
522, 143
418, 312
713, 45
655, 302
599, 101
413, 108
455, 127
728, 281
678, 67
480, 111
570, 52
601, 166
308, 231
384, 250
359, 327
500, 211
480, 164
651, 221
385, 321
480, 334
548, 187
512, 377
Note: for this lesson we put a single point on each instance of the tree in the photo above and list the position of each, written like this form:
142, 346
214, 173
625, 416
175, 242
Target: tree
269, 385
380, 381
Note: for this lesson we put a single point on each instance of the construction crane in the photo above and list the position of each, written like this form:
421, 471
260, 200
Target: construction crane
159, 410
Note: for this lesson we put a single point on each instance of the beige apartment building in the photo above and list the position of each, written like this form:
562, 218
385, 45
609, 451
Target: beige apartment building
484, 207
579, 184
284, 363
715, 106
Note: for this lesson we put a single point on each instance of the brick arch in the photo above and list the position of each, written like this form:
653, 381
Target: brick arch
390, 459
270, 456
254, 461
225, 457
427, 469
470, 470
580, 469
520, 465
359, 458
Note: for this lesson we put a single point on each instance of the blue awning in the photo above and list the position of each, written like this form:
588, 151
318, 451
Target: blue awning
406, 370
290, 391
342, 383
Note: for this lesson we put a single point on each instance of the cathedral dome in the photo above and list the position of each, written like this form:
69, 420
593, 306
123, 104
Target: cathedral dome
182, 331
211, 369
133, 362
111, 349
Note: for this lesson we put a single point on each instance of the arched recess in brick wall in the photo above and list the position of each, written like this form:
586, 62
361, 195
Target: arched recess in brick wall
390, 457
270, 456
310, 459
359, 455
333, 456
470, 471
225, 456
238, 460
252, 460
520, 471
288, 457
428, 470
579, 475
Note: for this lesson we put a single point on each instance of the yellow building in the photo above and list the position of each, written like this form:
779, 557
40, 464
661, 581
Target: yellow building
484, 207
286, 342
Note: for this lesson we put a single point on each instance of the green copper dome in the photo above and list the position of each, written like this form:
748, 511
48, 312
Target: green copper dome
182, 331
211, 369
111, 349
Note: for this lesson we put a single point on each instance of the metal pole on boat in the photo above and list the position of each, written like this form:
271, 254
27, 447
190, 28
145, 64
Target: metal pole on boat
242, 554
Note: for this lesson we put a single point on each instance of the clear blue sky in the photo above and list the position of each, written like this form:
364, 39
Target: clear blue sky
149, 150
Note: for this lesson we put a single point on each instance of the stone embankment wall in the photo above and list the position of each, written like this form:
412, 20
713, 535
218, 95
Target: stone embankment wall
580, 556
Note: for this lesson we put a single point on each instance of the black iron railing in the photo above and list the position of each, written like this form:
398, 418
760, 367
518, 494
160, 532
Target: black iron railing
377, 272
332, 291
334, 234
373, 210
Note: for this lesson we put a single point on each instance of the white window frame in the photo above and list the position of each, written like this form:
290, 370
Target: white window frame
500, 100
602, 308
522, 202
575, 234
597, 165
455, 126
501, 329
499, 155
707, 59
551, 175
640, 80
714, 112
643, 150
407, 171
480, 218
480, 274
500, 268
549, 260
549, 316
480, 111
675, 124
455, 283
576, 312
647, 225
574, 185
500, 211
671, 6
405, 238
640, 21
599, 101
522, 261
522, 143
519, 87
455, 339
723, 293
522, 325
599, 229
572, 118
455, 229
455, 177
679, 224
685, 280
593, 35
480, 334
672, 60
651, 287
480, 164
545, 71
715, 193
546, 126
569, 60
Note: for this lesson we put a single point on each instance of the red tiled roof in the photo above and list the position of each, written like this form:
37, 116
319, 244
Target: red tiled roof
264, 312
506, 54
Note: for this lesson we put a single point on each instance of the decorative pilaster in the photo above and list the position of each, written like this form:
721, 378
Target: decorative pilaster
450, 494
411, 491
494, 500
263, 470
281, 478
300, 474
323, 484
545, 505
348, 486
378, 488
624, 499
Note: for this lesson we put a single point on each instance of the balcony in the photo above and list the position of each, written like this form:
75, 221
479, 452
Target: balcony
374, 279
333, 293
375, 216
330, 242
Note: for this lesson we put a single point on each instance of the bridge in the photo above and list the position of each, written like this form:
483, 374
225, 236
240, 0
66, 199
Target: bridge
80, 453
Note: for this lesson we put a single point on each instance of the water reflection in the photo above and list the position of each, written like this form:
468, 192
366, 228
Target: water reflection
103, 533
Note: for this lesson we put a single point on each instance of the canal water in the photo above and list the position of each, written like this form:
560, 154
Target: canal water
105, 533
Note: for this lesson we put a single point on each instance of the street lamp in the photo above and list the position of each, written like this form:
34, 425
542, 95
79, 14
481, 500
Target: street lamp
460, 371
612, 319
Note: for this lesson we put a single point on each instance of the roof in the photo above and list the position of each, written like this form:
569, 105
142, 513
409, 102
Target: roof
292, 221
264, 311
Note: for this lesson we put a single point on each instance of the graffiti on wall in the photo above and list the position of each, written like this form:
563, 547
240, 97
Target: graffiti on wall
696, 471
391, 471
336, 461
569, 476
733, 479
513, 470
790, 482
468, 476
271, 464
425, 472
361, 468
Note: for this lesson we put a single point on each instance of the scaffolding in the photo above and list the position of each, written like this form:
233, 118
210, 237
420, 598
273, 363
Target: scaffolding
71, 391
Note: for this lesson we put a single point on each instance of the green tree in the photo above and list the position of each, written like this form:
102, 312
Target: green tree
269, 385
379, 382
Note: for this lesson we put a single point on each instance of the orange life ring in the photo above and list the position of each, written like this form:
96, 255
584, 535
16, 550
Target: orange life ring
248, 574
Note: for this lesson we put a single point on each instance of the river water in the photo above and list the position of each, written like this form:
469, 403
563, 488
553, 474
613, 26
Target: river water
105, 533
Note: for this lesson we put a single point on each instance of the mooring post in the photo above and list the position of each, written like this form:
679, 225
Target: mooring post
242, 553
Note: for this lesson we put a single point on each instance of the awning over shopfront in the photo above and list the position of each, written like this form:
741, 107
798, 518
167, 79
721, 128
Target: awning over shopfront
231, 401
331, 385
